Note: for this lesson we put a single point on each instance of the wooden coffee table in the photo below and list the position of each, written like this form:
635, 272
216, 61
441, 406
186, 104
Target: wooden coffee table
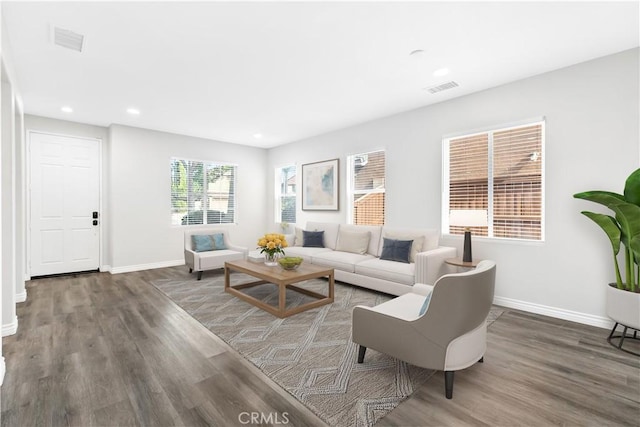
284, 279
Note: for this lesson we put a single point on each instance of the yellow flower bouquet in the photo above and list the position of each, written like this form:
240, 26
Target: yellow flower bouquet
271, 245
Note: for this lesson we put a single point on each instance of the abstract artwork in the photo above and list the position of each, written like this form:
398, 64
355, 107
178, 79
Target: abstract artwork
320, 186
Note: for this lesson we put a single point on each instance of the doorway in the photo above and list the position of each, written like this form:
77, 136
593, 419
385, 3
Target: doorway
64, 211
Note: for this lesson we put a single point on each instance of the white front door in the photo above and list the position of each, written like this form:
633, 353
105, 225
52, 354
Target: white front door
65, 200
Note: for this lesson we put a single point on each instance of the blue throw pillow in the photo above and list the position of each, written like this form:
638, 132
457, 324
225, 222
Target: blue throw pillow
425, 305
201, 242
396, 250
218, 241
313, 239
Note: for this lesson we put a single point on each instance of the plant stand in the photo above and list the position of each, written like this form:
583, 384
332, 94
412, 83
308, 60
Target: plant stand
622, 337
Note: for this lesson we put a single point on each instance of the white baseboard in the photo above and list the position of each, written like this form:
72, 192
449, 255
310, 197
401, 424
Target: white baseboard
140, 267
105, 268
2, 370
21, 296
11, 327
574, 316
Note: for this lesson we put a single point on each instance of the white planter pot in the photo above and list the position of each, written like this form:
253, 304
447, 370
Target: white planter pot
623, 306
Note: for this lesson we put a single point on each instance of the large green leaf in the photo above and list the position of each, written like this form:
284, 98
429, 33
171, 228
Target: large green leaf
628, 216
610, 227
632, 188
603, 197
635, 247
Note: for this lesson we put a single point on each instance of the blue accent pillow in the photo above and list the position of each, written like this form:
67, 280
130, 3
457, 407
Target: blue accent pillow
313, 239
201, 242
425, 305
218, 241
396, 250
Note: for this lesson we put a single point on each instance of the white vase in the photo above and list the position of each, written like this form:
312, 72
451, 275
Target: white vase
623, 306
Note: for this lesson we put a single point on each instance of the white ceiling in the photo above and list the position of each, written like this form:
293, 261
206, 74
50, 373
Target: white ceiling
290, 70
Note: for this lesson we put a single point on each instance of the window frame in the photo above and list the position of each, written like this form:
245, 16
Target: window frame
351, 192
206, 164
279, 195
490, 189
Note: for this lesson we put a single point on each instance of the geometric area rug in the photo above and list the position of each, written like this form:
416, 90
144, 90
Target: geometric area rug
310, 354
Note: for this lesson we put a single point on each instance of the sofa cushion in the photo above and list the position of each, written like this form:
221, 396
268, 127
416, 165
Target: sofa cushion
396, 250
313, 239
330, 232
303, 252
356, 242
345, 261
387, 270
404, 307
216, 259
374, 235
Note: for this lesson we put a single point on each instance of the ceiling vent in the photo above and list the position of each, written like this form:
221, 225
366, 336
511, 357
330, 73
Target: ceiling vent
441, 87
68, 39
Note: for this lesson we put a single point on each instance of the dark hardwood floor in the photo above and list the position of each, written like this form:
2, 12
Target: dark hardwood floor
98, 349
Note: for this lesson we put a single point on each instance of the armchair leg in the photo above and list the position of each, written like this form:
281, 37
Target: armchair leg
361, 351
190, 270
481, 359
448, 384
199, 275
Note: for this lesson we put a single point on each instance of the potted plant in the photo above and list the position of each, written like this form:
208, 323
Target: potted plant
623, 230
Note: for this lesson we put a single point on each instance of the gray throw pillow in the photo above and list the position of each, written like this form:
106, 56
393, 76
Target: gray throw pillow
313, 239
396, 250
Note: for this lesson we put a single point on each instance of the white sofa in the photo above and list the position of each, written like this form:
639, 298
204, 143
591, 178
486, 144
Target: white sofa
367, 269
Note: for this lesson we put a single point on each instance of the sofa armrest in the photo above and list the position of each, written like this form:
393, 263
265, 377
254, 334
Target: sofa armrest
430, 265
190, 258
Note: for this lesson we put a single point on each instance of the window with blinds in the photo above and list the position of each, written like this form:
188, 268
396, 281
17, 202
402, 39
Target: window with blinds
367, 188
202, 192
499, 171
286, 188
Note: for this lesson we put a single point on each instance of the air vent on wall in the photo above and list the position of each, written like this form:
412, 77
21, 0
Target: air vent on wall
68, 39
441, 87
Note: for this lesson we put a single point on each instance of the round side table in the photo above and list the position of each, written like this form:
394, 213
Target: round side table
458, 262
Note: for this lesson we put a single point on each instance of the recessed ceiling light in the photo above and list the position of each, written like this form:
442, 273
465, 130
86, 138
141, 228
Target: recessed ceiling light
416, 52
257, 135
133, 111
67, 109
441, 72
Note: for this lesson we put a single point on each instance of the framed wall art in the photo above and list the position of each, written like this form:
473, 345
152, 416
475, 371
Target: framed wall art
320, 186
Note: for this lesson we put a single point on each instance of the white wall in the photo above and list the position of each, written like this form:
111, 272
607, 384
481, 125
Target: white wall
9, 318
20, 201
2, 125
592, 142
141, 233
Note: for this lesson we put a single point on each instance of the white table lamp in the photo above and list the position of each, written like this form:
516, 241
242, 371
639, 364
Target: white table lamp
468, 218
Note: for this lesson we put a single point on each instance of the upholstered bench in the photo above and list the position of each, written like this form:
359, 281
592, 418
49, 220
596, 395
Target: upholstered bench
209, 249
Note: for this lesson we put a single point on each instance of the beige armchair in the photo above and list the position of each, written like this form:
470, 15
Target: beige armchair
449, 336
211, 259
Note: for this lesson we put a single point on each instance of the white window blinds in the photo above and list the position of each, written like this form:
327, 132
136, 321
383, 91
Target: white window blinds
499, 171
202, 192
